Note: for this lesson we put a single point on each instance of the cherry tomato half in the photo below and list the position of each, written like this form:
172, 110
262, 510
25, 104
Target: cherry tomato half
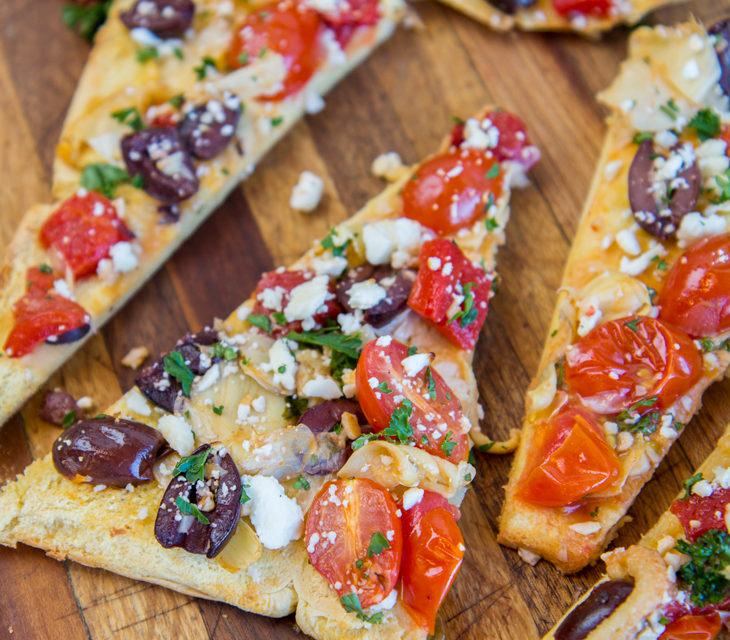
599, 8
383, 383
432, 554
444, 273
570, 459
708, 511
696, 295
704, 627
448, 192
636, 358
346, 526
290, 30
40, 314
82, 230
348, 16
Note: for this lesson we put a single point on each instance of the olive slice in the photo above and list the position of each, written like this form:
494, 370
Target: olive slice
214, 506
208, 128
323, 416
660, 215
108, 451
164, 18
57, 405
601, 603
70, 336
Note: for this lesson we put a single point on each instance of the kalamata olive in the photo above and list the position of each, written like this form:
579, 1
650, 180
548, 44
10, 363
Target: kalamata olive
162, 388
511, 6
330, 456
159, 156
57, 405
108, 451
601, 603
722, 46
70, 336
325, 415
216, 499
208, 128
660, 205
397, 285
164, 18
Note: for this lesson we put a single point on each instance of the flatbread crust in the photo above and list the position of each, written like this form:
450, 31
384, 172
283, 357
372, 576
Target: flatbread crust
98, 94
654, 54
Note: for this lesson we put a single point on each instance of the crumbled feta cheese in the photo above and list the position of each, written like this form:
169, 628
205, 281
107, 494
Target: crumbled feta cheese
666, 139
586, 528
336, 57
210, 377
627, 240
414, 364
590, 314
722, 476
480, 135
283, 364
333, 266
61, 287
703, 489
271, 298
365, 294
691, 70
387, 165
138, 403
307, 192
612, 169
276, 518
399, 238
384, 605
412, 497
638, 265
694, 226
306, 299
321, 387
123, 257
313, 102
177, 432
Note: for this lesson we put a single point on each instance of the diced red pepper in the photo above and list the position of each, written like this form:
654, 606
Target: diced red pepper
709, 512
451, 292
42, 313
82, 230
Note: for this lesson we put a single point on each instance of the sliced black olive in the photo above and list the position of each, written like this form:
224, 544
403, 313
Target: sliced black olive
164, 18
213, 511
108, 451
323, 416
397, 285
601, 603
57, 405
660, 217
722, 46
70, 336
330, 456
159, 156
511, 6
208, 128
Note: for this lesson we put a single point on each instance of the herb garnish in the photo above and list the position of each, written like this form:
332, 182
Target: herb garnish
647, 424
350, 345
351, 603
244, 496
632, 324
175, 366
491, 224
302, 483
670, 109
493, 172
709, 556
399, 429
44, 268
329, 243
129, 116
222, 351
218, 410
447, 446
640, 136
383, 386
430, 383
189, 509
707, 124
103, 178
146, 54
87, 18
192, 466
468, 312
201, 72
260, 320
68, 418
294, 406
378, 544
688, 484
177, 100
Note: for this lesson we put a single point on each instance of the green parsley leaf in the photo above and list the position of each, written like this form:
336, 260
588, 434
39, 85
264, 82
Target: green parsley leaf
244, 496
707, 345
260, 320
177, 100
350, 345
294, 406
243, 58
175, 366
640, 136
493, 172
222, 351
189, 509
337, 427
138, 181
560, 372
279, 317
632, 324
351, 603
282, 368
688, 484
101, 415
412, 350
469, 312
383, 386
703, 574
447, 446
328, 242
359, 563
378, 544
218, 410
707, 124
44, 268
302, 483
86, 18
723, 182
68, 418
430, 383
670, 109
145, 54
129, 116
206, 63
399, 430
491, 224
275, 122
192, 466
178, 53
103, 178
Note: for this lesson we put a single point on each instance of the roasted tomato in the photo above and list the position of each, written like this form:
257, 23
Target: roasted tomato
696, 295
82, 230
354, 539
432, 553
569, 459
348, 16
451, 292
632, 360
709, 512
291, 30
703, 627
273, 293
44, 314
598, 8
393, 387
449, 192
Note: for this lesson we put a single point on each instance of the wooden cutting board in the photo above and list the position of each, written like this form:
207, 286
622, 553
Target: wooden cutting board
402, 99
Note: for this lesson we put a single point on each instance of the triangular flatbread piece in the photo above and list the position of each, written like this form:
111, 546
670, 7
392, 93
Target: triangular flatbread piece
674, 579
641, 324
342, 388
177, 103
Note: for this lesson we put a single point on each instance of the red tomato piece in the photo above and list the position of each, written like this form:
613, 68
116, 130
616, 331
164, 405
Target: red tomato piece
281, 284
598, 8
451, 292
449, 192
40, 314
432, 554
349, 16
82, 230
693, 627
709, 512
382, 383
345, 517
696, 295
291, 30
628, 360
570, 459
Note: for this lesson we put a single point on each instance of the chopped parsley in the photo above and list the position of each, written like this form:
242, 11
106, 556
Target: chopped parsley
640, 136
351, 603
302, 483
85, 18
491, 224
350, 345
68, 418
44, 268
560, 372
103, 178
703, 574
175, 366
260, 320
222, 351
279, 317
275, 122
294, 406
469, 312
244, 496
378, 544
632, 324
430, 383
192, 466
189, 509
243, 58
724, 183
129, 116
447, 446
383, 386
688, 484
201, 72
413, 350
647, 424
145, 54
177, 100
399, 429
707, 124
329, 243
493, 172
669, 109
218, 410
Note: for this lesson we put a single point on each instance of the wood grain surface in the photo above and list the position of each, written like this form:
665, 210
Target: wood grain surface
402, 99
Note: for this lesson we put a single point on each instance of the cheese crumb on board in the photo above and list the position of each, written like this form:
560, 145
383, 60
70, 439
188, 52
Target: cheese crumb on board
135, 357
307, 192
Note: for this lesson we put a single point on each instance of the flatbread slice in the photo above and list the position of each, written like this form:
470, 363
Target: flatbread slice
678, 569
641, 324
587, 17
165, 122
345, 379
